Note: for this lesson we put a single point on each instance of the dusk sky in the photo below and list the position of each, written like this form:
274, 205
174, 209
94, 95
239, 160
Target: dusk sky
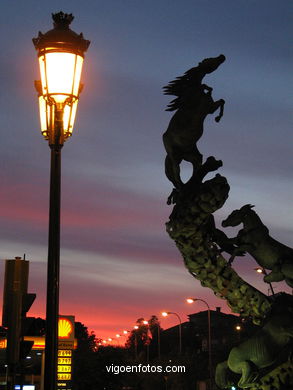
117, 262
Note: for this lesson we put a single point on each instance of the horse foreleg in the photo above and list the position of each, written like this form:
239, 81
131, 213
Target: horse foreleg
172, 171
220, 103
207, 88
221, 375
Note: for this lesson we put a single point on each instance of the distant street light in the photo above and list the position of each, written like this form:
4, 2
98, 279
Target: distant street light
238, 329
61, 52
110, 339
118, 337
125, 333
261, 270
165, 314
191, 300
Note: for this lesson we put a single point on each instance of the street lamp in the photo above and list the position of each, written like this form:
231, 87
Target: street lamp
191, 300
165, 314
118, 337
135, 327
146, 323
261, 270
60, 52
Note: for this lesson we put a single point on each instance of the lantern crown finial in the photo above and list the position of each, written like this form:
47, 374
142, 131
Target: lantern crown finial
61, 36
62, 20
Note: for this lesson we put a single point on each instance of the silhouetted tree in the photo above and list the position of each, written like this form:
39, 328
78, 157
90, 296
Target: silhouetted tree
84, 372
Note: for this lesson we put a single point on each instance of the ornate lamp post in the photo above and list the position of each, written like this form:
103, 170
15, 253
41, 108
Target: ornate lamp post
61, 53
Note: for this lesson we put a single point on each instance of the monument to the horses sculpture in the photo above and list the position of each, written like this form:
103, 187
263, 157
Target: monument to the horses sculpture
263, 361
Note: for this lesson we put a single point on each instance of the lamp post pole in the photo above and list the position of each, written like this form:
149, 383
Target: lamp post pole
191, 300
61, 53
53, 270
159, 341
135, 340
165, 314
146, 323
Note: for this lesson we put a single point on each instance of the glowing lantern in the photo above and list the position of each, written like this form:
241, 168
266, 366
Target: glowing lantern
61, 53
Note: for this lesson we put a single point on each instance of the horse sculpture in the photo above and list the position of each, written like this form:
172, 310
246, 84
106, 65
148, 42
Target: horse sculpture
193, 103
254, 238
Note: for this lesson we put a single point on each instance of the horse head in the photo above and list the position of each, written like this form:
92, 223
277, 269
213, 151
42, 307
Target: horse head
189, 86
209, 65
236, 217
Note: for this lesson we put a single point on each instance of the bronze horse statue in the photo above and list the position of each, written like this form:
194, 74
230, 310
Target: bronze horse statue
254, 238
270, 344
193, 103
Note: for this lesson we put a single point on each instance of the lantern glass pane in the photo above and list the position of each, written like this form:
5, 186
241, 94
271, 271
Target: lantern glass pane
78, 68
43, 74
43, 113
72, 117
69, 116
60, 73
66, 117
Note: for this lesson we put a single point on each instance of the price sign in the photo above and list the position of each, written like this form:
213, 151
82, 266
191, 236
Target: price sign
64, 377
65, 347
64, 352
63, 368
64, 360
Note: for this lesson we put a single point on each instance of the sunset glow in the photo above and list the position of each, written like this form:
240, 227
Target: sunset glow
117, 263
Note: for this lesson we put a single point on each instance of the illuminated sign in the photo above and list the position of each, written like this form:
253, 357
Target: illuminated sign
39, 343
65, 344
66, 352
64, 360
3, 343
63, 377
63, 368
65, 347
65, 328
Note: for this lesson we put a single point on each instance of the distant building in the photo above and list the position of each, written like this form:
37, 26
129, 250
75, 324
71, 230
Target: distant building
226, 330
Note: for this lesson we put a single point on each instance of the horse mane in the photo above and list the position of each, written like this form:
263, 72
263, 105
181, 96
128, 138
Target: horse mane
184, 87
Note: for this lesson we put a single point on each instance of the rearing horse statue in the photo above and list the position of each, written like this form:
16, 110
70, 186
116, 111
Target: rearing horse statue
254, 238
193, 103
